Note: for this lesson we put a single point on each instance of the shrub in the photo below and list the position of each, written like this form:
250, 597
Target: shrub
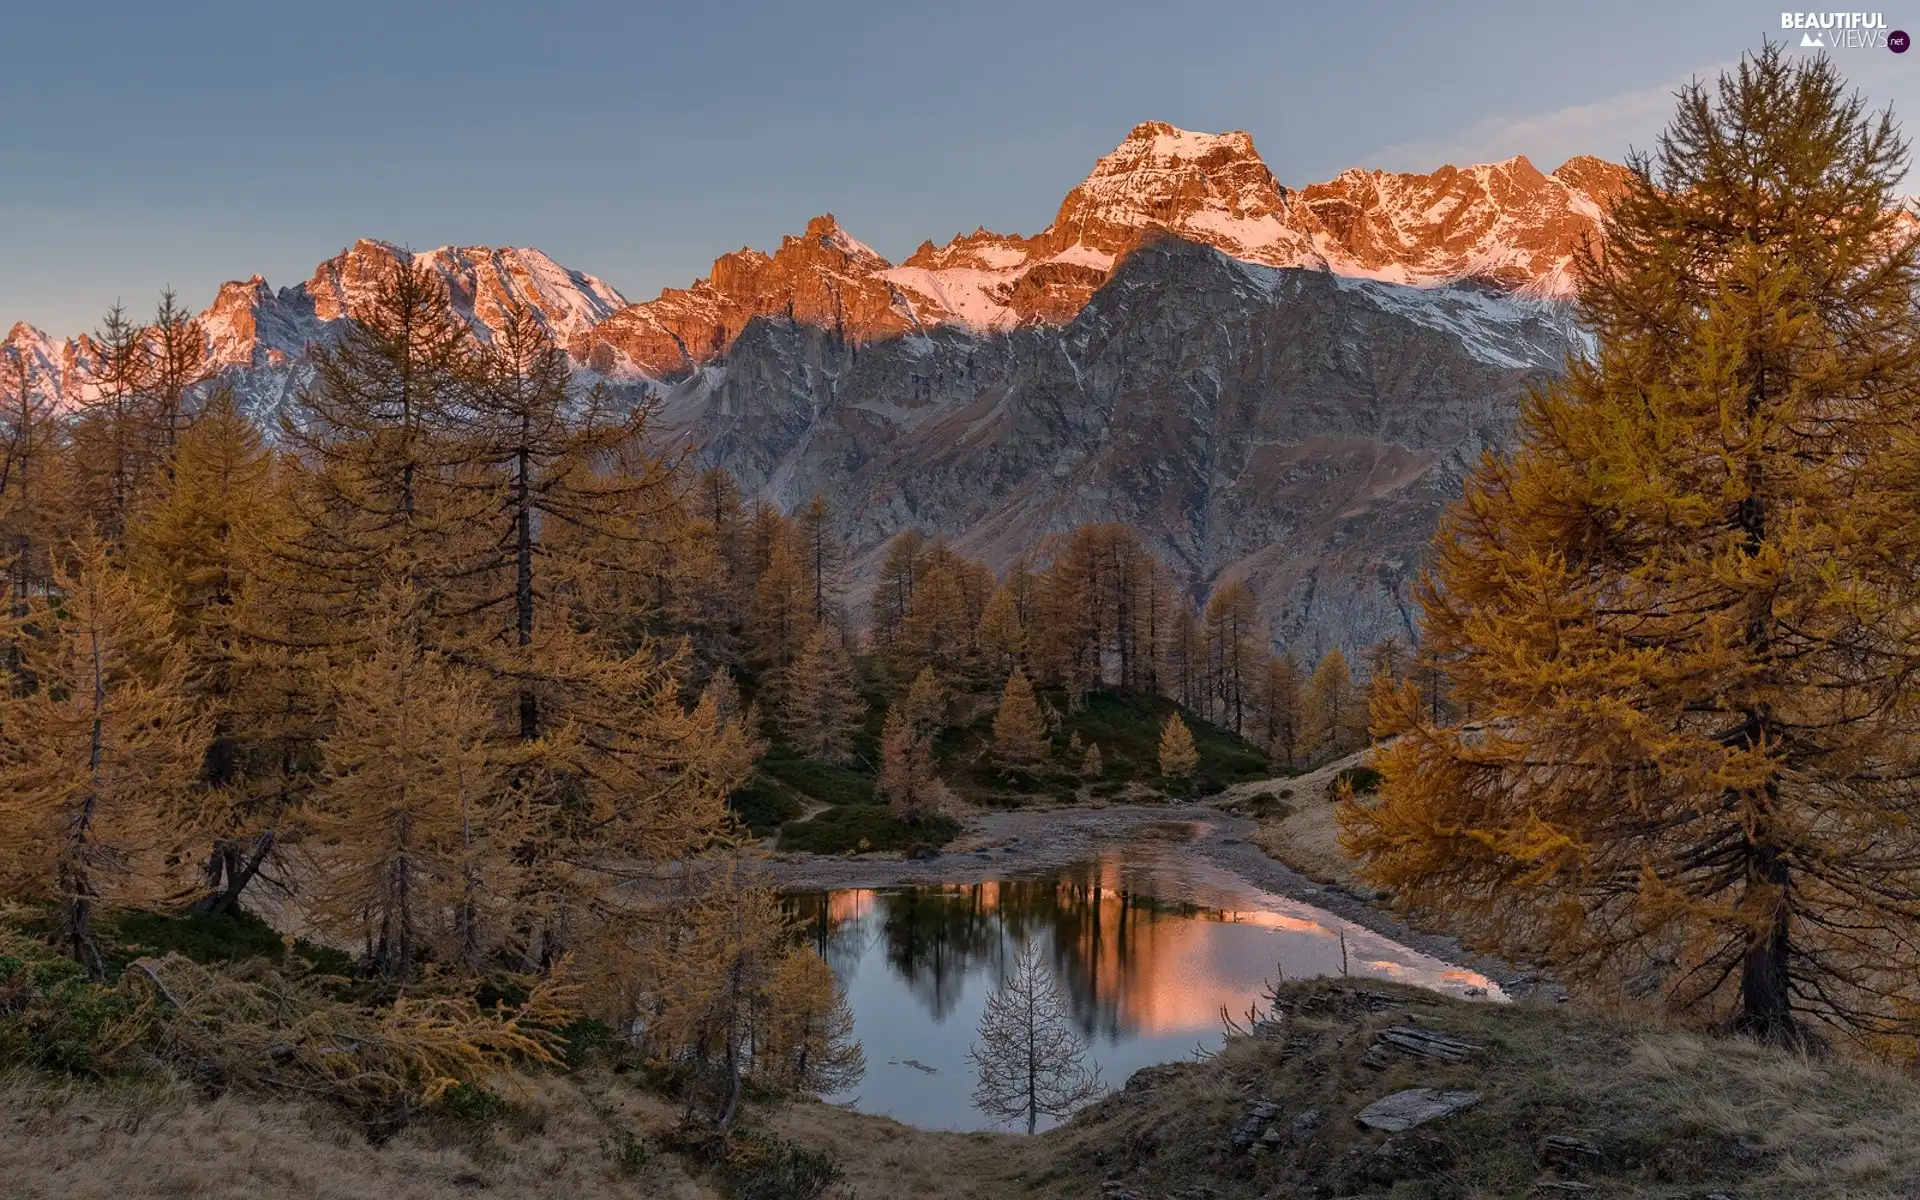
865, 827
207, 938
1361, 779
626, 1151
759, 1166
764, 805
52, 1017
825, 782
473, 1105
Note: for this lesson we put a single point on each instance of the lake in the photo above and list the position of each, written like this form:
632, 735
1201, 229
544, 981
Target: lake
1149, 942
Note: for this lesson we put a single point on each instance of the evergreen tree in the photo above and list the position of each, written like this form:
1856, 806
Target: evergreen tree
1234, 647
1679, 618
1178, 755
1331, 713
1019, 732
820, 708
100, 756
418, 832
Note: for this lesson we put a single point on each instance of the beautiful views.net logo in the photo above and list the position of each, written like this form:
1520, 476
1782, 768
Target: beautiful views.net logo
1844, 31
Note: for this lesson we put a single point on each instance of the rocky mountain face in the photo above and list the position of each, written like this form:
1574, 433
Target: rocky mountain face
1274, 383
1284, 425
1506, 224
257, 337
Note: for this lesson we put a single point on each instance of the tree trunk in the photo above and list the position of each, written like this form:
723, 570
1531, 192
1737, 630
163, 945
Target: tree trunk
234, 872
523, 589
1766, 1002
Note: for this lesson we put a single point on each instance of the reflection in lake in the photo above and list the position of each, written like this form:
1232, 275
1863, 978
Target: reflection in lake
1149, 945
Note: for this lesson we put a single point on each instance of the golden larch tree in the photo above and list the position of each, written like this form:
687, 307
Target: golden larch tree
907, 777
416, 835
820, 707
1277, 708
194, 544
1178, 755
1680, 617
1332, 715
822, 560
99, 758
1235, 643
31, 472
1019, 731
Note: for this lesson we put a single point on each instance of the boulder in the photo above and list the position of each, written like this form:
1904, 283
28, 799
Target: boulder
1414, 1107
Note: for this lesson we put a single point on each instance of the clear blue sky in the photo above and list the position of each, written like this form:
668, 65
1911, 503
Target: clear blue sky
146, 143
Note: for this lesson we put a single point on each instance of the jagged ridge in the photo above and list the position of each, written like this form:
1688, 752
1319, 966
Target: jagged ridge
1505, 224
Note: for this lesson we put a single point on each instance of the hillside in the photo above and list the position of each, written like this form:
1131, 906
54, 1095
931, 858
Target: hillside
1570, 1104
808, 805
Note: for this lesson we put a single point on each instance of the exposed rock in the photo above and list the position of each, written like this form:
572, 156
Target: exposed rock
1287, 428
1191, 347
1505, 224
1409, 1156
1569, 1150
1304, 1125
1414, 1107
1412, 1041
1253, 1128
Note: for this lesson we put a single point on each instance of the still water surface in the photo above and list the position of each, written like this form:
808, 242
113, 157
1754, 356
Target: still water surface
1149, 941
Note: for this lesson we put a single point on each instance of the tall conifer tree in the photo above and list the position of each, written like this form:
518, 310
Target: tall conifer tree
1680, 618
99, 758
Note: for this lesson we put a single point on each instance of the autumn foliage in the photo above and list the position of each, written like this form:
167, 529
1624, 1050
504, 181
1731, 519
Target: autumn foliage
1678, 623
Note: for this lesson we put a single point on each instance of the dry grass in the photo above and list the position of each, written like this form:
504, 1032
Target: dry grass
884, 1158
108, 1142
1675, 1114
1300, 830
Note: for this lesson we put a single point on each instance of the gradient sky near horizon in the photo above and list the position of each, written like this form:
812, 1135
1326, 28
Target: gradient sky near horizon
143, 144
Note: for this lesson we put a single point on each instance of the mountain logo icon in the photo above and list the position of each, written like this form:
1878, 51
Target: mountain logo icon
1815, 40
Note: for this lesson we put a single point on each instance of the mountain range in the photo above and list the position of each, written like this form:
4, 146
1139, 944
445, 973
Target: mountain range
1272, 383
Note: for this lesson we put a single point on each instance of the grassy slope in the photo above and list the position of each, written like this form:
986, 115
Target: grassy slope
787, 789
1674, 1115
1297, 825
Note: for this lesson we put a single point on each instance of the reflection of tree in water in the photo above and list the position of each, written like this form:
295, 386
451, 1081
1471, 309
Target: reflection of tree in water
840, 942
1095, 935
938, 937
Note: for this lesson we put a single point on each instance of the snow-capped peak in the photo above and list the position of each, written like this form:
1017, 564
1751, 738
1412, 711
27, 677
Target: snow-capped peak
1502, 223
